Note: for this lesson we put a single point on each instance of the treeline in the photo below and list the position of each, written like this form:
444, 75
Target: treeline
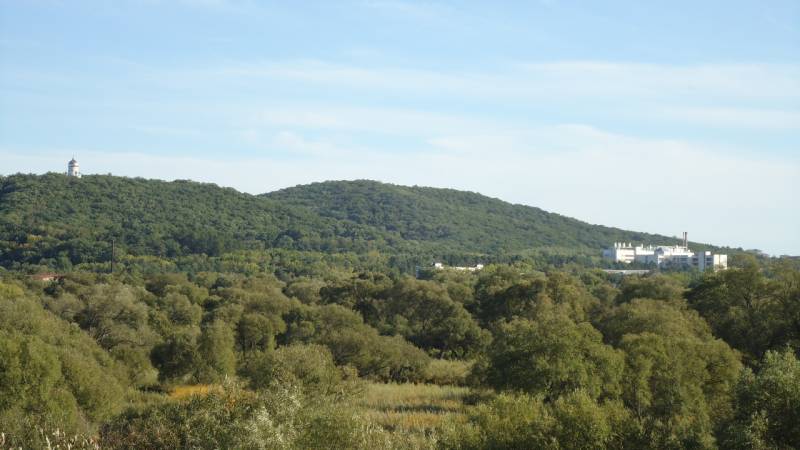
66, 224
61, 221
557, 359
457, 220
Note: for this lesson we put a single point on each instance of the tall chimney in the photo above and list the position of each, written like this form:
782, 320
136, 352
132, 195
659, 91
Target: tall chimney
686, 239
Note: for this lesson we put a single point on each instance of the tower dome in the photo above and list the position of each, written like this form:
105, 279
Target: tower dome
73, 168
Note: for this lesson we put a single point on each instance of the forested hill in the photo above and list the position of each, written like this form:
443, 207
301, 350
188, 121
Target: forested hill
461, 220
49, 218
52, 217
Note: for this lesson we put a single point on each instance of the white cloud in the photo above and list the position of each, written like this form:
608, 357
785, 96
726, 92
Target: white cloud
565, 79
159, 130
607, 79
755, 118
737, 96
384, 120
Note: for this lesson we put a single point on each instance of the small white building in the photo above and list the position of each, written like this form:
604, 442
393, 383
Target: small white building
73, 168
441, 266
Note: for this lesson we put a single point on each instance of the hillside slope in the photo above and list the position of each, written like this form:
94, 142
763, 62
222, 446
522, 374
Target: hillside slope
459, 220
56, 221
52, 216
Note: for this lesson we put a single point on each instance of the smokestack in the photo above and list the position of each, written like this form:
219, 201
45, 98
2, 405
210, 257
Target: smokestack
686, 239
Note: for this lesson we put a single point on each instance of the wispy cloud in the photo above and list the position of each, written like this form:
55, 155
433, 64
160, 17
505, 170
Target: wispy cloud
158, 130
755, 118
371, 119
737, 96
568, 79
599, 78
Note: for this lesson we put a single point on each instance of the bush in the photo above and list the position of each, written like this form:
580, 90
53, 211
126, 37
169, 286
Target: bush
217, 420
552, 355
447, 372
574, 421
768, 405
280, 417
309, 366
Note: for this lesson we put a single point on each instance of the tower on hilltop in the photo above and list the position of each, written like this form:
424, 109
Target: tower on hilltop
73, 169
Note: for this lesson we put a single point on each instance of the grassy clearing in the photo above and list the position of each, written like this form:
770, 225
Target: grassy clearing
414, 408
412, 413
188, 390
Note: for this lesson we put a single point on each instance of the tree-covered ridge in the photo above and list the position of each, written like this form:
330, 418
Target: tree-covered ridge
55, 221
56, 217
463, 221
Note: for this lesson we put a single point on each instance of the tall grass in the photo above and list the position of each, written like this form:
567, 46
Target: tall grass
188, 390
418, 409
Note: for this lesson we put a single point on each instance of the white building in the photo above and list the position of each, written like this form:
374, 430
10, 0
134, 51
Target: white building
73, 169
707, 260
441, 266
622, 252
665, 255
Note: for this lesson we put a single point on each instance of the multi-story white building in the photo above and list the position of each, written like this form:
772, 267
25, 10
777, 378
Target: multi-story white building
707, 260
622, 252
665, 255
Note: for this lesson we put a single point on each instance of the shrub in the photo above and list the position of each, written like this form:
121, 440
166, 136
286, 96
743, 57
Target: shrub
280, 417
768, 405
574, 421
551, 356
309, 366
447, 372
216, 420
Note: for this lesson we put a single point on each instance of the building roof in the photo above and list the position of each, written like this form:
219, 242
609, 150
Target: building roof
46, 276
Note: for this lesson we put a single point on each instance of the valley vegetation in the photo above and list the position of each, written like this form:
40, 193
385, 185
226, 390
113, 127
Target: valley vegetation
215, 332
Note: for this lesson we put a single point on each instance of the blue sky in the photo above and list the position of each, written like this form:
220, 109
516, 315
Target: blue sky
654, 116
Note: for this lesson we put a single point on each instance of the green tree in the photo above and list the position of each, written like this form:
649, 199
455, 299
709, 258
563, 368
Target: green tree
51, 373
255, 332
114, 316
768, 405
423, 313
177, 357
354, 343
742, 308
551, 356
502, 292
658, 287
216, 351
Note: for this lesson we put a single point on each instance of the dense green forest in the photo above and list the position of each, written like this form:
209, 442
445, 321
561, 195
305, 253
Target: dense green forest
456, 220
554, 358
292, 321
60, 222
